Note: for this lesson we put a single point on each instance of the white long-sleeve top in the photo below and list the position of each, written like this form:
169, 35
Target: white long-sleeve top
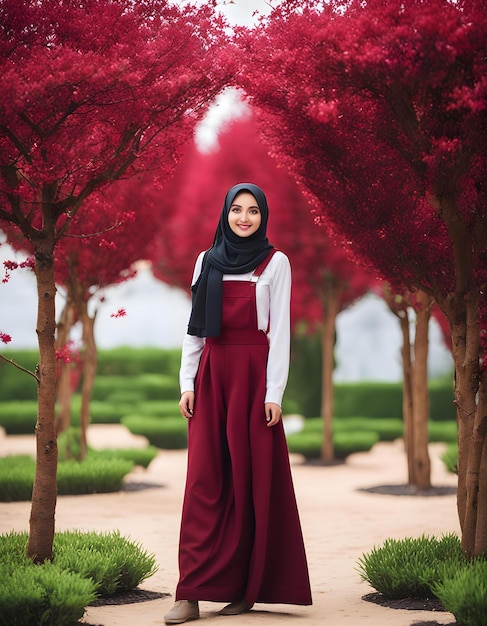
273, 297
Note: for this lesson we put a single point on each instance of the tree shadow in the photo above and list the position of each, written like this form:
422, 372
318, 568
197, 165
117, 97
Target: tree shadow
130, 597
410, 490
410, 604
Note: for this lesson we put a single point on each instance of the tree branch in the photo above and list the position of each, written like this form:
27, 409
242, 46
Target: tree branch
100, 232
23, 369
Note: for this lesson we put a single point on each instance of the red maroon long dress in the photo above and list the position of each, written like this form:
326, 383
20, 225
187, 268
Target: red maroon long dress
240, 531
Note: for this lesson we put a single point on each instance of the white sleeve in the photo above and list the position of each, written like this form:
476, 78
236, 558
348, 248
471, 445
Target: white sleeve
192, 346
279, 330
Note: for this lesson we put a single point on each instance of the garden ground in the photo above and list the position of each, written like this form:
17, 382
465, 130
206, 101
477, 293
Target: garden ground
346, 510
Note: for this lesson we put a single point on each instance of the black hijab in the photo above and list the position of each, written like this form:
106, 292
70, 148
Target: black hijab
230, 254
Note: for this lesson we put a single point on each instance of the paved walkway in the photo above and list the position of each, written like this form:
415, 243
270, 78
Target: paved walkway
340, 522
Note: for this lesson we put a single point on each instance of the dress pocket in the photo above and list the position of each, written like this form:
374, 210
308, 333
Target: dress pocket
235, 312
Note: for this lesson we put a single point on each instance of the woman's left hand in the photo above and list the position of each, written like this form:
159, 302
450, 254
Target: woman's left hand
273, 413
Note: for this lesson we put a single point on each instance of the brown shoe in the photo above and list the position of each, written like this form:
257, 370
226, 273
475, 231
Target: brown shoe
182, 611
235, 608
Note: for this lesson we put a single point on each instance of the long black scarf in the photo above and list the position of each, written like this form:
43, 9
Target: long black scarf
230, 254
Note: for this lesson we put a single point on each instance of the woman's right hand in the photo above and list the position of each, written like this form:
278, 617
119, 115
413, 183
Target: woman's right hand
186, 404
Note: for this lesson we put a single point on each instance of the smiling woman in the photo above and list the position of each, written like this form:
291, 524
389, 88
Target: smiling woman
247, 546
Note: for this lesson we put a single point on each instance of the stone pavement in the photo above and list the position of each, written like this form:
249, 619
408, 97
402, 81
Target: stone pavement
340, 519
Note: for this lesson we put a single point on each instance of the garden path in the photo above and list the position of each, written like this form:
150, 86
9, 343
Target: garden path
340, 522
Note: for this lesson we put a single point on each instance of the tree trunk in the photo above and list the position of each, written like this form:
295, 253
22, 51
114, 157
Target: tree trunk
90, 363
407, 394
64, 391
44, 494
419, 444
415, 404
471, 403
330, 308
462, 311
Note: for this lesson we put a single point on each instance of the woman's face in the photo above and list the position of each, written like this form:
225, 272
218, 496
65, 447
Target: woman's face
244, 216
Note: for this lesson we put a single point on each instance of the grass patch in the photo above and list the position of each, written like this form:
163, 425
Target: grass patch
85, 566
169, 433
464, 594
308, 441
18, 417
358, 434
409, 568
94, 475
428, 568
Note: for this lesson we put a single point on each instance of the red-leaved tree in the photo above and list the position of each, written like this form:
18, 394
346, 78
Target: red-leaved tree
91, 93
325, 279
116, 229
380, 110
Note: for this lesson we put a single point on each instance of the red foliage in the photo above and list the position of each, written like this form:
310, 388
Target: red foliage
95, 91
4, 338
197, 195
380, 111
114, 231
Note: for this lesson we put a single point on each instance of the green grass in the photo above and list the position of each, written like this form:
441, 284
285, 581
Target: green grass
427, 567
358, 434
85, 566
409, 568
94, 475
170, 433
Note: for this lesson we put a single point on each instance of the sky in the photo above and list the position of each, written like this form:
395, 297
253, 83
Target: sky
241, 12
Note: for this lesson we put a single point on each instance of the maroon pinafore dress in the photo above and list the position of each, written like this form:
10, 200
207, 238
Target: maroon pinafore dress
240, 532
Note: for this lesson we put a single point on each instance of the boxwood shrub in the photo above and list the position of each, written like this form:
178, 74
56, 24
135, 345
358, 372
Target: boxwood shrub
85, 565
427, 567
94, 475
170, 433
15, 384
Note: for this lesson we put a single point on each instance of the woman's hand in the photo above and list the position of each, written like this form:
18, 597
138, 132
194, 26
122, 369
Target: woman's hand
273, 413
186, 404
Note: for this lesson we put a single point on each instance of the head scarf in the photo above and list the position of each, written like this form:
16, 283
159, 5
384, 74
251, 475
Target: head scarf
230, 254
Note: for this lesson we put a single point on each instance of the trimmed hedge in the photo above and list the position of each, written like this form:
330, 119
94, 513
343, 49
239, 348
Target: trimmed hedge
128, 377
357, 434
147, 386
94, 475
126, 361
375, 399
18, 417
169, 433
15, 384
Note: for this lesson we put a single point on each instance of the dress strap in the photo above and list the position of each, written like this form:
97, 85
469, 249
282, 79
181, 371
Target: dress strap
262, 265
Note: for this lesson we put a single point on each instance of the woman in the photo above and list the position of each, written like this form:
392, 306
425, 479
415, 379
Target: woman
240, 539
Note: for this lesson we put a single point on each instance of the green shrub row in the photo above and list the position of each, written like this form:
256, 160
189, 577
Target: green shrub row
427, 567
69, 447
127, 376
349, 435
19, 417
96, 474
126, 361
169, 433
85, 565
157, 369
15, 384
141, 387
378, 399
359, 434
